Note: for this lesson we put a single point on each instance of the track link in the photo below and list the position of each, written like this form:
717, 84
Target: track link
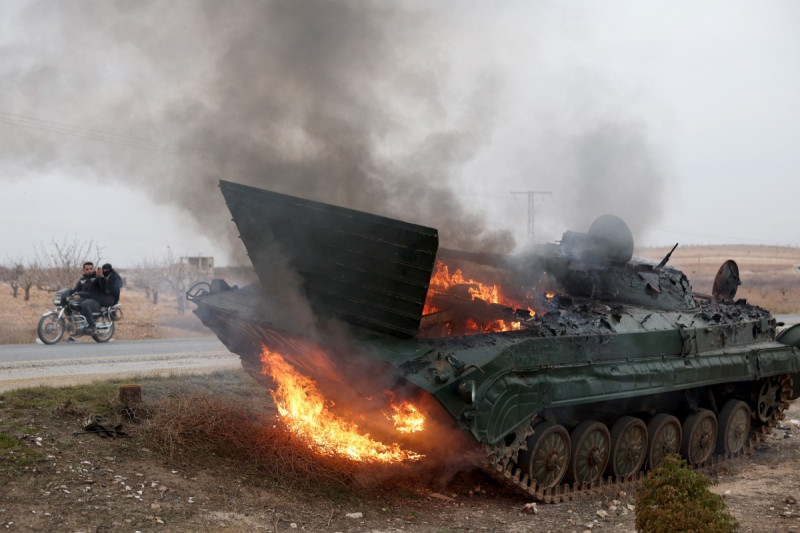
502, 465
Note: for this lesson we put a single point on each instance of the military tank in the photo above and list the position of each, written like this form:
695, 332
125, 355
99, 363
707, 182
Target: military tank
597, 367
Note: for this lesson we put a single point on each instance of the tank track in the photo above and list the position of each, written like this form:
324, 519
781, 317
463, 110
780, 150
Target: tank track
501, 462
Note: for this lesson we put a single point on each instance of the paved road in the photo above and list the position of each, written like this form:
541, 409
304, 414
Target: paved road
25, 365
788, 319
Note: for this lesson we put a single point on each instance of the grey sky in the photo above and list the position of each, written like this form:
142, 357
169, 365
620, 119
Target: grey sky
117, 119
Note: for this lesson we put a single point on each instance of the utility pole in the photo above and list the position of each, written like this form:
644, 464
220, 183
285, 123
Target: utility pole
531, 196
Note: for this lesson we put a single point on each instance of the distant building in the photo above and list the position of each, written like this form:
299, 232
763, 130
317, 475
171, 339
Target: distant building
203, 264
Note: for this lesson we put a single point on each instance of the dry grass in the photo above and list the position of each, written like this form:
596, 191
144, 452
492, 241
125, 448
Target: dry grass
195, 428
142, 320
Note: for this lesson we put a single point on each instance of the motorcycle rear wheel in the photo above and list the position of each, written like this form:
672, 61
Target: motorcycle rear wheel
51, 328
104, 335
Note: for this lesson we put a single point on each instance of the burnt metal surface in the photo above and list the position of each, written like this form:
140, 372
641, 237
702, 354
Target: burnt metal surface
365, 269
616, 339
726, 282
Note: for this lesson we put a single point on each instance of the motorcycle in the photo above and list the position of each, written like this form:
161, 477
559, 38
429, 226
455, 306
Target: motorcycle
67, 318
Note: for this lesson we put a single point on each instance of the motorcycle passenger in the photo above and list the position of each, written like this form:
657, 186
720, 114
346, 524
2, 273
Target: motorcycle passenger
110, 284
89, 293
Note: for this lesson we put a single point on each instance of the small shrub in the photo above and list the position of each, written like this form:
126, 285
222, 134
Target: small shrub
674, 498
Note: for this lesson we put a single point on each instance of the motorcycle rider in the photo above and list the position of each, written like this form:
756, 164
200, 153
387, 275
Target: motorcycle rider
89, 294
87, 280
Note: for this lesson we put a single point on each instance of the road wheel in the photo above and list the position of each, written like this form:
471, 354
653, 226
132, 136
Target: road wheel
664, 438
734, 427
547, 457
699, 436
51, 328
628, 447
768, 400
591, 444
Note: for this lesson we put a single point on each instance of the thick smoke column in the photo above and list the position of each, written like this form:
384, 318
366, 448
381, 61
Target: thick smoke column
308, 98
376, 106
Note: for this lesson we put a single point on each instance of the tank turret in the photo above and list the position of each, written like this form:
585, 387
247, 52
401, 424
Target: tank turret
597, 265
569, 368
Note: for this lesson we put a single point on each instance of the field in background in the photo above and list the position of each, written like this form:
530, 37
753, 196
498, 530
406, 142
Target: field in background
142, 320
770, 275
770, 278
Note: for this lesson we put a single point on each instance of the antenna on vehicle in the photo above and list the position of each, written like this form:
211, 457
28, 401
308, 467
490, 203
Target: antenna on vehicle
666, 258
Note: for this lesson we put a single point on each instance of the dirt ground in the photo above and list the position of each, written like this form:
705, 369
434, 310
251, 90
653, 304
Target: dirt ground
89, 483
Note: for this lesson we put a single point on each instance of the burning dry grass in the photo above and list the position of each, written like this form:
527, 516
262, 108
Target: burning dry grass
306, 412
198, 428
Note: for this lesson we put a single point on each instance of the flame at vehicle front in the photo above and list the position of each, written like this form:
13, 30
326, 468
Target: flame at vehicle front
306, 413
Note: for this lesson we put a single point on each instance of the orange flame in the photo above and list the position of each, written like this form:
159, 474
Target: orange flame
494, 326
303, 409
407, 418
442, 281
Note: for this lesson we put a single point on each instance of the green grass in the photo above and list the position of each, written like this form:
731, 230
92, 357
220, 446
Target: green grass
23, 411
16, 456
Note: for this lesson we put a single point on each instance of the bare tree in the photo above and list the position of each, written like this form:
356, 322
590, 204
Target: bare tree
13, 276
170, 274
148, 276
19, 276
27, 279
58, 264
176, 276
5, 276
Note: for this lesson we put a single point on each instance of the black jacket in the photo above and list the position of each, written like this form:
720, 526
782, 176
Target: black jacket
109, 286
88, 286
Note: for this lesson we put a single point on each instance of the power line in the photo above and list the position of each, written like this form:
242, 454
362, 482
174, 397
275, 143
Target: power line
94, 135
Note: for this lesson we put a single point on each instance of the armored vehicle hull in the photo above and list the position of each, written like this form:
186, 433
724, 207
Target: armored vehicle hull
605, 367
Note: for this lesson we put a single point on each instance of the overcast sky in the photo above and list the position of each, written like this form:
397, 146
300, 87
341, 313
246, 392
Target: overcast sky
117, 119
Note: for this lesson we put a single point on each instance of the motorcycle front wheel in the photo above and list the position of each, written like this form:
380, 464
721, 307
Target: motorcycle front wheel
104, 334
51, 328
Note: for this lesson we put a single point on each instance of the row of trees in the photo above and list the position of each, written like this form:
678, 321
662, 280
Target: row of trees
168, 274
58, 265
52, 267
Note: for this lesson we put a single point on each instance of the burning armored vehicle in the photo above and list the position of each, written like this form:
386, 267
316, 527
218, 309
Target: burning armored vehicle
577, 367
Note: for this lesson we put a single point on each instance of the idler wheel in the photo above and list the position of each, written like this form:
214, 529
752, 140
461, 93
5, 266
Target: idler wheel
768, 400
591, 446
734, 427
664, 437
547, 457
628, 447
699, 436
